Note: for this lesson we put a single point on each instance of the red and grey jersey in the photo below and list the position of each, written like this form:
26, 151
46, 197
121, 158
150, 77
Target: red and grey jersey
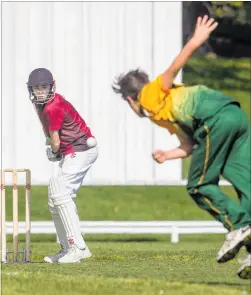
60, 115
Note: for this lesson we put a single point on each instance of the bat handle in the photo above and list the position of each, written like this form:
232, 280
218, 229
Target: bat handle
47, 141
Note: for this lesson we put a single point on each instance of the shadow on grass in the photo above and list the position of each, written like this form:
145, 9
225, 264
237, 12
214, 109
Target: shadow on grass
242, 283
125, 240
97, 238
23, 263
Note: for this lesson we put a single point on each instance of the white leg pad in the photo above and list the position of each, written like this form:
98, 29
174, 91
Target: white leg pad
61, 233
66, 207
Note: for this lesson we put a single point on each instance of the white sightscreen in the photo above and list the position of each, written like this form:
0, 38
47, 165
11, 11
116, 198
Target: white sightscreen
86, 45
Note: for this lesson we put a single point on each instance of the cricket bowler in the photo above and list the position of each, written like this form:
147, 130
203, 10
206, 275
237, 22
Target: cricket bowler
213, 129
73, 146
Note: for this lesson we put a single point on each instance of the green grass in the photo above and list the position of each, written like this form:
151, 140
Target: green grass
126, 264
129, 265
230, 76
120, 203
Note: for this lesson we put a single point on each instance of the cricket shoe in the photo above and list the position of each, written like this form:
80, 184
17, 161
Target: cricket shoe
75, 254
234, 241
244, 272
54, 258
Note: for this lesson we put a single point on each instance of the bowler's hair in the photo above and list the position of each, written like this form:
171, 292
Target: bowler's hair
130, 84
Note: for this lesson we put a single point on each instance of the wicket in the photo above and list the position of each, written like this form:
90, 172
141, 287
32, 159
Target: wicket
5, 253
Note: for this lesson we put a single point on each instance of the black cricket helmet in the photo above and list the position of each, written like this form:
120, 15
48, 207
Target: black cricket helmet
43, 79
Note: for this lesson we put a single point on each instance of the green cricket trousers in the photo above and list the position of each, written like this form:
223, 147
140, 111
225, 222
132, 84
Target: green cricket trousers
223, 149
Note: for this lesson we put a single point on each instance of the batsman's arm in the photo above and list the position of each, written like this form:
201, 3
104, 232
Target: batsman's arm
55, 141
55, 117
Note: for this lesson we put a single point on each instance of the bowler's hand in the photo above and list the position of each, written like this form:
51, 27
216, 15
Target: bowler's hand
159, 156
204, 27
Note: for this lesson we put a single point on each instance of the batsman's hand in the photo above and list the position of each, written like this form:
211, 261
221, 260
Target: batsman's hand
204, 27
53, 157
159, 156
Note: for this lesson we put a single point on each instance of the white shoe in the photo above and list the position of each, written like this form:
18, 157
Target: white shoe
74, 254
54, 258
244, 272
234, 241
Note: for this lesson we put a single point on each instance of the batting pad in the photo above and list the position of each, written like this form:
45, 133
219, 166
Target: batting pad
62, 235
66, 207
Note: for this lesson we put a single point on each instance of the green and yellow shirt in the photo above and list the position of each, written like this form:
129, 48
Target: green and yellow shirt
181, 109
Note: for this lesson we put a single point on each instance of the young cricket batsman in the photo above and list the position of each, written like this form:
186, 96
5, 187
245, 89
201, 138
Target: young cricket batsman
74, 148
212, 128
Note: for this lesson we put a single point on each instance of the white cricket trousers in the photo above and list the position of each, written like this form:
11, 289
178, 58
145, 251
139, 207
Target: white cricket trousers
73, 168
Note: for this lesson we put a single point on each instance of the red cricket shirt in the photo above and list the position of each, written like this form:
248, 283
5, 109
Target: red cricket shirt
60, 115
